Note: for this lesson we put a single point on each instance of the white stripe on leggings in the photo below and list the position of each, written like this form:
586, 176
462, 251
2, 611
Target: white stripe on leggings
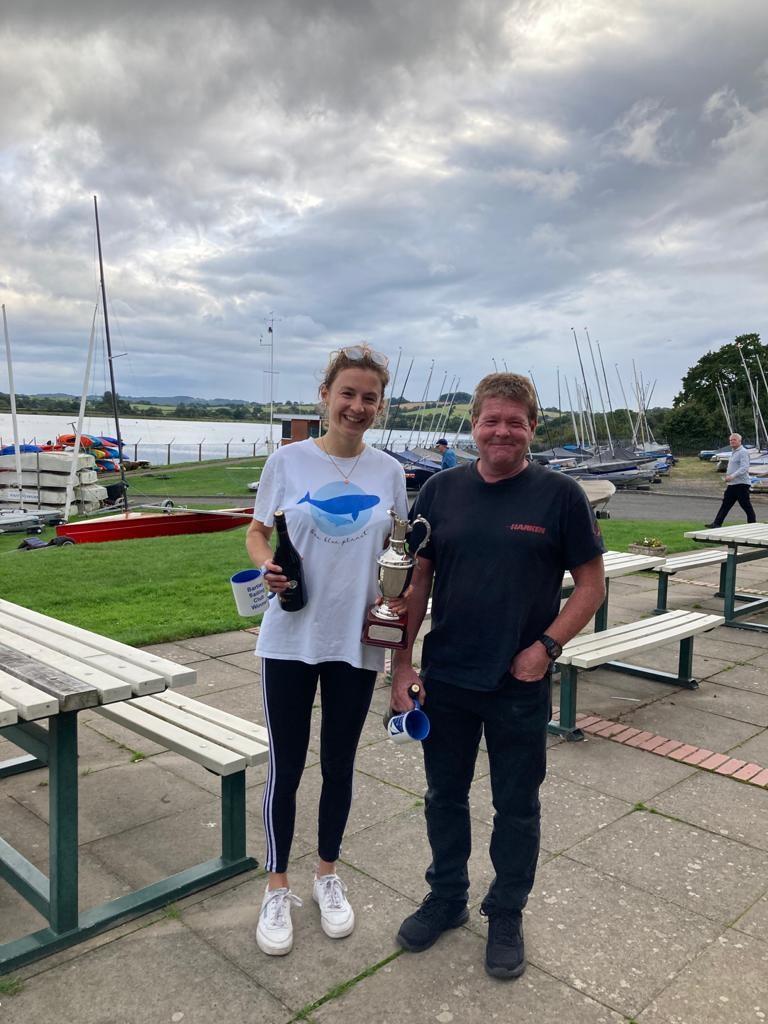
269, 788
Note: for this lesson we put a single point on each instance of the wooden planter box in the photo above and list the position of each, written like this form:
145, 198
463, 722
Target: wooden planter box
643, 549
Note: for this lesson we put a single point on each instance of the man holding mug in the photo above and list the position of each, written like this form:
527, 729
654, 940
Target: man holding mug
503, 532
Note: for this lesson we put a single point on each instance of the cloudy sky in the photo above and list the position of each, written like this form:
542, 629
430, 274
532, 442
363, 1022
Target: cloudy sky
462, 180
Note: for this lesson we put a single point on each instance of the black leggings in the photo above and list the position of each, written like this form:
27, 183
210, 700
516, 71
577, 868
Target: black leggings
289, 691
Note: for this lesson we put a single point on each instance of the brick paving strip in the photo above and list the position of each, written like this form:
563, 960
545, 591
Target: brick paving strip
675, 750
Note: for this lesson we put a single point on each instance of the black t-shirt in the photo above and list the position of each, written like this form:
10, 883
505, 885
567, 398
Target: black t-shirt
499, 552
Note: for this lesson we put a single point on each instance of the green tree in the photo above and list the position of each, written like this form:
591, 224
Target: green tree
697, 419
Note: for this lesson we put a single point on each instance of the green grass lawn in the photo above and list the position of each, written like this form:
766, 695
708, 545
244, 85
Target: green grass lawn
137, 591
223, 479
618, 534
169, 588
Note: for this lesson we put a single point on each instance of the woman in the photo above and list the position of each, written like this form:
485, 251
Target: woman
322, 640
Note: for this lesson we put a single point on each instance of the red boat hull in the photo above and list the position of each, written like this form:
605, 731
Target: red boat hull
133, 525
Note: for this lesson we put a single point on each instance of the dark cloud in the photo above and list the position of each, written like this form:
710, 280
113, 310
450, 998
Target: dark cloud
461, 181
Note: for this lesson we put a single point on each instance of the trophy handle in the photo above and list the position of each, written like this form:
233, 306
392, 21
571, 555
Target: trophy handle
427, 535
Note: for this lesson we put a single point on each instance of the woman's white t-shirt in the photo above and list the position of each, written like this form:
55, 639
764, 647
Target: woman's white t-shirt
339, 529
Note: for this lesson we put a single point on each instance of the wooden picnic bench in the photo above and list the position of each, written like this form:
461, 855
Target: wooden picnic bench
599, 649
686, 560
50, 670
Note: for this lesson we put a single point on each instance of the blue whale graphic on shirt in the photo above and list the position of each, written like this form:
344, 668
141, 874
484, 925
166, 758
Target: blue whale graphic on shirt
343, 505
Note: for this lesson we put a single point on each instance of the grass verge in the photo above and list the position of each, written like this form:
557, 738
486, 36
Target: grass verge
169, 588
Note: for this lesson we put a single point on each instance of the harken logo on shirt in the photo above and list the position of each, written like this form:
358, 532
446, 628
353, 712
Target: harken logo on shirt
527, 528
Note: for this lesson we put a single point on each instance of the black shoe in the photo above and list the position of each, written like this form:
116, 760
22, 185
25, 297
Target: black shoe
505, 949
435, 916
711, 526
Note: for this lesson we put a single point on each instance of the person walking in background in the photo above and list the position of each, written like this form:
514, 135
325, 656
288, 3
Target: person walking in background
449, 456
503, 532
737, 484
335, 492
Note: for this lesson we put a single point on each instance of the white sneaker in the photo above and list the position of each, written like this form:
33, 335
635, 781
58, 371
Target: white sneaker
274, 934
337, 918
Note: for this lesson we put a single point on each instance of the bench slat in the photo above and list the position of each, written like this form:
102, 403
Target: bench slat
174, 675
8, 714
210, 714
71, 693
619, 646
585, 641
142, 680
692, 560
108, 687
253, 752
208, 754
30, 702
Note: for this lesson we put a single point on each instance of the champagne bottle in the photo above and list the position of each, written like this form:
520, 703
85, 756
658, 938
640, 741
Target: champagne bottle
288, 558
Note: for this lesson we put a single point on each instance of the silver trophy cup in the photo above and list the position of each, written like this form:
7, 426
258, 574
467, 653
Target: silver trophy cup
384, 627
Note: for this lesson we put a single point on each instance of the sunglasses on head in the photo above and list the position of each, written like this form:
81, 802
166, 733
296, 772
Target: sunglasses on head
357, 353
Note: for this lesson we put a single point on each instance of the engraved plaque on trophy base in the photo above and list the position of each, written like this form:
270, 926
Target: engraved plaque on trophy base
388, 632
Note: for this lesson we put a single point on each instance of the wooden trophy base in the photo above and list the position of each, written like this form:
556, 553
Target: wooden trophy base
381, 631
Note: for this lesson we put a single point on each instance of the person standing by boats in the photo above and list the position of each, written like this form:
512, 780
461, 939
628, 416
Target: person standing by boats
737, 484
335, 492
448, 455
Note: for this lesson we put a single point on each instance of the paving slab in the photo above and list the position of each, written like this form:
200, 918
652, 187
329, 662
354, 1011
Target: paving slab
129, 740
616, 770
178, 652
317, 963
242, 701
95, 752
396, 852
152, 851
122, 798
609, 940
754, 749
217, 644
746, 677
448, 984
246, 660
685, 722
214, 675
755, 921
701, 872
744, 637
722, 805
732, 651
739, 996
29, 835
730, 702
569, 812
163, 972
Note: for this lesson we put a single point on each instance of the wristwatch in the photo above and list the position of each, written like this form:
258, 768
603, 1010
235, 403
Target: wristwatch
552, 647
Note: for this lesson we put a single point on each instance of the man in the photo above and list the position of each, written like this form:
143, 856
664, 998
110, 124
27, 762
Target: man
449, 457
503, 532
737, 484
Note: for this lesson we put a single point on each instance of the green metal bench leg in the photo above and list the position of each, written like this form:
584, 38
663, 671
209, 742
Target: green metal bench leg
62, 789
683, 678
601, 615
567, 724
661, 593
233, 816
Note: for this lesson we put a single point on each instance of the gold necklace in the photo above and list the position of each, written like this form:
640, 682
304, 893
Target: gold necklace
344, 476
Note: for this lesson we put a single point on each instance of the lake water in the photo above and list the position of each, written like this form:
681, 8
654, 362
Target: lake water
161, 442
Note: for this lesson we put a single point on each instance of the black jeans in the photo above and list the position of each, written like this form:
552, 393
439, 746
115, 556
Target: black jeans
734, 493
289, 691
514, 719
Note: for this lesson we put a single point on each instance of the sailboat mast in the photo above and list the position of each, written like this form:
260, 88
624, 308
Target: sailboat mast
14, 421
110, 361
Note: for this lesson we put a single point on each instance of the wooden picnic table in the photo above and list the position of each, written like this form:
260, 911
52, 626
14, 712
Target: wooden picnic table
754, 538
616, 563
50, 672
